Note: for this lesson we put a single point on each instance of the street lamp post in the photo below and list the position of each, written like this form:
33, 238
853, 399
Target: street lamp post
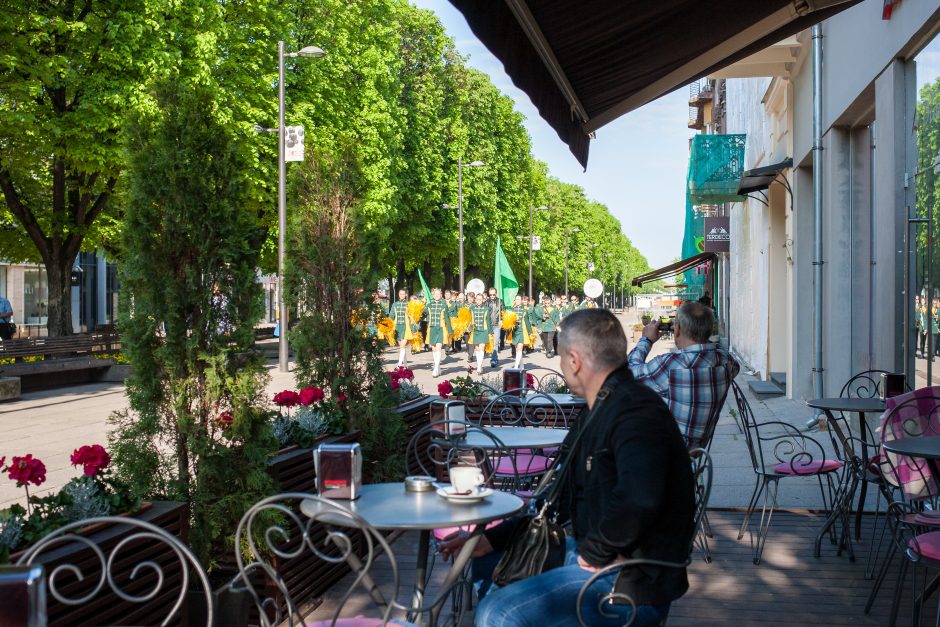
309, 52
460, 167
567, 232
532, 211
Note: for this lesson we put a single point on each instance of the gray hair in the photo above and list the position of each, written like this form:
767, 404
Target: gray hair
696, 321
598, 334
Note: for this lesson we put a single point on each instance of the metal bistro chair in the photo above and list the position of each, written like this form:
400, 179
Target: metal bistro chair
866, 455
915, 481
275, 527
702, 474
159, 564
525, 407
434, 449
792, 454
547, 380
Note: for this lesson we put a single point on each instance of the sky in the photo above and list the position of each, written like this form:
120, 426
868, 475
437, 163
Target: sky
637, 164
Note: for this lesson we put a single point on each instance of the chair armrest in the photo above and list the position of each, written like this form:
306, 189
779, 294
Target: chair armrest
619, 596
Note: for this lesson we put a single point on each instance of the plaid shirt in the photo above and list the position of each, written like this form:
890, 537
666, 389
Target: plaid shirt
693, 381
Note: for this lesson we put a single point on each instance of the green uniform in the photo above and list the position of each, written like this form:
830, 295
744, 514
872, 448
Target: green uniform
546, 318
438, 322
920, 319
523, 325
398, 312
481, 324
935, 322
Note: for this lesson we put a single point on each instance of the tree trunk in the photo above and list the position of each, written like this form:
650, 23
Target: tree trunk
59, 275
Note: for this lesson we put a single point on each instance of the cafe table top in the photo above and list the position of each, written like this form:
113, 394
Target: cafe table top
389, 506
516, 437
863, 405
922, 447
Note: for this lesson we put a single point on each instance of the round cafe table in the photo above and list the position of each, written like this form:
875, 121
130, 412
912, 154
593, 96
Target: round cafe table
926, 447
859, 406
388, 506
516, 437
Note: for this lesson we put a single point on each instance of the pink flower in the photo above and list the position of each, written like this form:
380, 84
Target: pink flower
470, 369
310, 395
25, 470
444, 388
3, 461
92, 458
529, 381
287, 398
225, 420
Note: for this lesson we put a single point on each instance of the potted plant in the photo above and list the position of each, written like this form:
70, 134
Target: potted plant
638, 330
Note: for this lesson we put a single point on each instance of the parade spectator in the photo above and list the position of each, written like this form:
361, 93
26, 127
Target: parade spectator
6, 319
496, 318
693, 379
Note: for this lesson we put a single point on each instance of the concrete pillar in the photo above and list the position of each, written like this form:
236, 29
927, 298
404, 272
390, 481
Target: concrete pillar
895, 97
800, 280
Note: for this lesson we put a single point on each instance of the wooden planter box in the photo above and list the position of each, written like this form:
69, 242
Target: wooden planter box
307, 577
107, 608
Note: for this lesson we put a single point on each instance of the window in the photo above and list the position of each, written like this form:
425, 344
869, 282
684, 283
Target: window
35, 296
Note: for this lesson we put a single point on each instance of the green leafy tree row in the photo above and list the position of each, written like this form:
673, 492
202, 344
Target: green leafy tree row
72, 73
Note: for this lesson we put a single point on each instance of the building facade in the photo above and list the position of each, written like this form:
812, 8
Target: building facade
868, 156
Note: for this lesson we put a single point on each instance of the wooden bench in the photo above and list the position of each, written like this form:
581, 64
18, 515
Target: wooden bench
44, 362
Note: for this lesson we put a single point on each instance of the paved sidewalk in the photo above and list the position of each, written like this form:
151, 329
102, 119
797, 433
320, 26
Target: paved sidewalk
51, 424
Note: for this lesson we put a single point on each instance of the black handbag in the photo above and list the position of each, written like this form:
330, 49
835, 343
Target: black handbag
538, 543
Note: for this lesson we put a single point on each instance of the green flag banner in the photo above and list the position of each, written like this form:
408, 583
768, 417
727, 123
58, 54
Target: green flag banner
503, 279
424, 286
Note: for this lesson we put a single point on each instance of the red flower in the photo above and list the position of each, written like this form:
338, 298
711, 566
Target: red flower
470, 369
225, 420
3, 460
529, 381
394, 384
341, 399
287, 398
310, 395
26, 470
444, 388
93, 458
405, 373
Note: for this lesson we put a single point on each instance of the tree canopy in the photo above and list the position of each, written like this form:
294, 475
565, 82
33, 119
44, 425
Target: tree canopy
392, 85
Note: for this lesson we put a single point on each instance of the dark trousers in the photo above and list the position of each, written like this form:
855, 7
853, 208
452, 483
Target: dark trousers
6, 331
548, 342
470, 346
922, 342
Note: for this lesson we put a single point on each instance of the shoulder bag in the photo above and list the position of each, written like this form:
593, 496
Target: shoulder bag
538, 543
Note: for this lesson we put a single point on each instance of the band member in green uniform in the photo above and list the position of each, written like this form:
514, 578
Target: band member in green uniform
468, 336
520, 334
575, 305
547, 317
920, 323
481, 328
439, 329
398, 312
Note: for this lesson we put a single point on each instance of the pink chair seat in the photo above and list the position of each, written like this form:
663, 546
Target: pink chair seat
440, 534
927, 519
359, 621
929, 545
798, 467
525, 464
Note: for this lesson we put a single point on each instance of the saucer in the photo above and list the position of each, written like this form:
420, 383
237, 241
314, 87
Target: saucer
448, 493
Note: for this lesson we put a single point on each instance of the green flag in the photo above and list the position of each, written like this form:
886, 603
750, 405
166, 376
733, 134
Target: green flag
424, 286
503, 279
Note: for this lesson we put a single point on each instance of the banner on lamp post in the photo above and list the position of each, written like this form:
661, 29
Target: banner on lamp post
293, 143
717, 235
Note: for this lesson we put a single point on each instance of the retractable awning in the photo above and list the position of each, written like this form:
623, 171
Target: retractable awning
674, 268
584, 64
759, 179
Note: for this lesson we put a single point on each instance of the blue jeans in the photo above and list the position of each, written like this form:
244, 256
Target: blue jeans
550, 599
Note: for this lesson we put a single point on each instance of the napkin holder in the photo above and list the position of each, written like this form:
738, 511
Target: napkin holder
453, 412
339, 470
892, 384
513, 381
22, 596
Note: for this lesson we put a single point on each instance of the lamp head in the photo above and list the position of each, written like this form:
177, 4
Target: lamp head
310, 52
475, 164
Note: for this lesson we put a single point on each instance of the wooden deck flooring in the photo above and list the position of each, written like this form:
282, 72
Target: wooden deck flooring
789, 587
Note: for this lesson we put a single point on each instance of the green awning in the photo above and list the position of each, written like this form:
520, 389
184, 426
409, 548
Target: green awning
715, 166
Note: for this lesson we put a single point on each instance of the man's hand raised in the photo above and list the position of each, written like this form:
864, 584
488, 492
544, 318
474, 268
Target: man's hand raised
651, 331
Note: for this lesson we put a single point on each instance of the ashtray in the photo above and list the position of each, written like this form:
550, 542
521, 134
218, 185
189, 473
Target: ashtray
419, 483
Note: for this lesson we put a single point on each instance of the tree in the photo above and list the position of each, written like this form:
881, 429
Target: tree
69, 75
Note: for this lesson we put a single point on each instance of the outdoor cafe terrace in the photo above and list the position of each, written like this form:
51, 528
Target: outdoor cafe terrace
789, 585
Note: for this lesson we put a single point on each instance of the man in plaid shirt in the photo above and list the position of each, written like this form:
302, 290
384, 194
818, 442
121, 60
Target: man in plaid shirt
693, 379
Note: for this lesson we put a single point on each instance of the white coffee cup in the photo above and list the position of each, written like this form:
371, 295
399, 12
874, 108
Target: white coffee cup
466, 479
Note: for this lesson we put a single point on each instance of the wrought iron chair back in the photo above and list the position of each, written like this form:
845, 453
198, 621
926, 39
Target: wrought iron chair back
546, 379
911, 415
525, 407
434, 449
702, 474
185, 566
866, 384
273, 526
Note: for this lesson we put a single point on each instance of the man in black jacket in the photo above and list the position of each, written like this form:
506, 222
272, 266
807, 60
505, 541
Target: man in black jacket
629, 495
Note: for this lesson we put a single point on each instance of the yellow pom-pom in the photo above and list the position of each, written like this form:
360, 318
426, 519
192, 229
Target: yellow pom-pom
417, 341
510, 320
462, 321
415, 309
